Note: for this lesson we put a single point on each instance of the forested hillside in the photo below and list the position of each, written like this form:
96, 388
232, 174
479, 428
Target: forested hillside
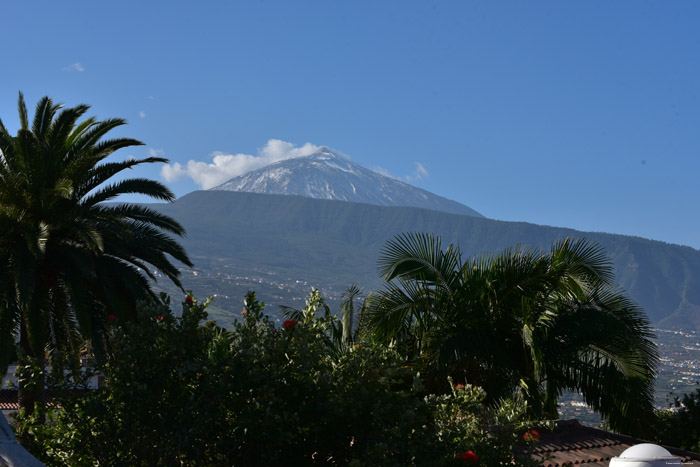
335, 243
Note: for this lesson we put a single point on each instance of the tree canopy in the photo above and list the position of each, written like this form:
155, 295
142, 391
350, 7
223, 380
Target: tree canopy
69, 259
521, 321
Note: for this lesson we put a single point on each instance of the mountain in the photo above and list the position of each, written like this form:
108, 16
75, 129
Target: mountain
281, 245
327, 175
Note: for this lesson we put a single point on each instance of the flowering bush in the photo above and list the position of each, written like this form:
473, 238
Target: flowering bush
469, 456
179, 392
290, 323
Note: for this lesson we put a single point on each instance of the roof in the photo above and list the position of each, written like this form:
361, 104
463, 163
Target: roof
8, 399
571, 443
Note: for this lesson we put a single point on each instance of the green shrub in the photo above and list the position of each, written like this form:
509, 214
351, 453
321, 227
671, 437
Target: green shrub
178, 392
680, 428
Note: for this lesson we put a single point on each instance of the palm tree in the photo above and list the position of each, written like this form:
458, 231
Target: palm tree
70, 260
521, 322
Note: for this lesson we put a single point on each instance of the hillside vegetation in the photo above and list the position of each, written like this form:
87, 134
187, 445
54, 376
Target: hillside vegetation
334, 243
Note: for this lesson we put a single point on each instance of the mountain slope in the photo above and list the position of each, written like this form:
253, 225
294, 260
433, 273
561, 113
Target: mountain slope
334, 244
327, 175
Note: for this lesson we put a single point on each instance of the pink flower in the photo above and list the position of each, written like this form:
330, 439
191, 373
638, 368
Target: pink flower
290, 323
532, 435
459, 386
112, 317
243, 313
469, 456
189, 300
357, 347
160, 318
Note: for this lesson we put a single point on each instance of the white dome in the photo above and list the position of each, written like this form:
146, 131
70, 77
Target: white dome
645, 455
646, 451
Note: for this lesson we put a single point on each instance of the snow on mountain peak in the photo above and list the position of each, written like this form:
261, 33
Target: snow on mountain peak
326, 174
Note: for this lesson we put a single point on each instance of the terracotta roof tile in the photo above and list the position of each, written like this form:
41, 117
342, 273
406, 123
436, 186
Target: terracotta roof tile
570, 443
8, 399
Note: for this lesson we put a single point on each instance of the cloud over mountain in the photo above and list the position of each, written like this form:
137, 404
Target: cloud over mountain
327, 174
225, 166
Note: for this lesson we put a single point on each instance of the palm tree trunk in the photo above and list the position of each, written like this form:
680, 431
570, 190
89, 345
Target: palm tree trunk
28, 395
550, 404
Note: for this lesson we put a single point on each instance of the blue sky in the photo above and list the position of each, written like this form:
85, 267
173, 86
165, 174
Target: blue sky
577, 114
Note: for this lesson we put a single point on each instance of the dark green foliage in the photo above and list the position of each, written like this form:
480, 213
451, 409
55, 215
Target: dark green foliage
522, 321
181, 393
69, 260
680, 428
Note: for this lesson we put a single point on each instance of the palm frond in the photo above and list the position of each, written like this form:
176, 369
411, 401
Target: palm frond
22, 110
91, 136
141, 214
142, 186
583, 259
291, 313
43, 116
63, 126
99, 174
420, 256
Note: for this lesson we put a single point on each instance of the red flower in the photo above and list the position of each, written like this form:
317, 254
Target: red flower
189, 300
532, 435
160, 318
459, 386
290, 323
469, 456
357, 347
112, 317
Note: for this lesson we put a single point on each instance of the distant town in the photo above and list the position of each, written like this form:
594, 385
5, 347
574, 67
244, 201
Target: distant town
228, 284
679, 373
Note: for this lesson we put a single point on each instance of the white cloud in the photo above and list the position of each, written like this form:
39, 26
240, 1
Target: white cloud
153, 152
172, 172
142, 114
226, 166
420, 173
75, 67
382, 171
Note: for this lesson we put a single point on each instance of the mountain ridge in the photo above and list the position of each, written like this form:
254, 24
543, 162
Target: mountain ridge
332, 244
328, 175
